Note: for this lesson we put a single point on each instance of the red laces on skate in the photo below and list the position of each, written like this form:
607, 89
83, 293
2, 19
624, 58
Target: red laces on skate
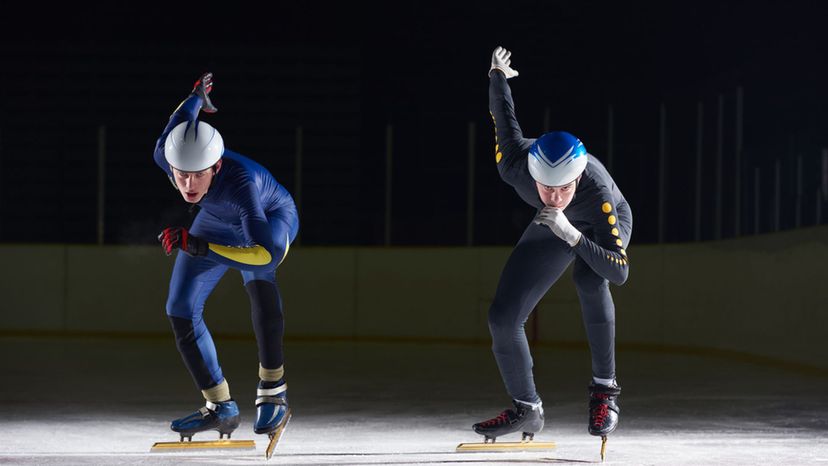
600, 413
501, 418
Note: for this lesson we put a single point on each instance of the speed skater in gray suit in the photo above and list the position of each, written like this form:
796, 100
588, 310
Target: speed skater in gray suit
582, 217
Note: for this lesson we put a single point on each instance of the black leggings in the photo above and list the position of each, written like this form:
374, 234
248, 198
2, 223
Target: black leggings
536, 263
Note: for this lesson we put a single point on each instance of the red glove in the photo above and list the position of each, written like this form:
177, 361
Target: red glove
202, 88
178, 237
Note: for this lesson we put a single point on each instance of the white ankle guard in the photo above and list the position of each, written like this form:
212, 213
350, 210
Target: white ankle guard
605, 382
268, 395
534, 406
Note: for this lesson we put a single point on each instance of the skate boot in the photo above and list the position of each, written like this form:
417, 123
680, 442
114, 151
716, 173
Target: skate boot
272, 412
222, 416
603, 411
526, 418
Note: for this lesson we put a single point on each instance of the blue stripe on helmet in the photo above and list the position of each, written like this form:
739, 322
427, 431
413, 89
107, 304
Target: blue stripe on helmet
563, 158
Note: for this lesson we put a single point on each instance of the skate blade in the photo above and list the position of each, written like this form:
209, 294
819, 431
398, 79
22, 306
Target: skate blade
603, 447
204, 445
277, 434
506, 446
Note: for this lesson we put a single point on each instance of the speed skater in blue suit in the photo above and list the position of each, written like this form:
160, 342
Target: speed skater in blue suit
246, 221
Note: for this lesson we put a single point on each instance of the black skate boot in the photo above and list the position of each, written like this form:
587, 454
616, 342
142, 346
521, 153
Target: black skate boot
603, 412
526, 418
603, 409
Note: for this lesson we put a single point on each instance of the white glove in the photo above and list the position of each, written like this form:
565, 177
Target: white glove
559, 224
501, 61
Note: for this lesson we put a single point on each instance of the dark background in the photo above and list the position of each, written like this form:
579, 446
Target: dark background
343, 72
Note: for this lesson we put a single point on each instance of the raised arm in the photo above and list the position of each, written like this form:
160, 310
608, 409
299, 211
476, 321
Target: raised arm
511, 148
188, 110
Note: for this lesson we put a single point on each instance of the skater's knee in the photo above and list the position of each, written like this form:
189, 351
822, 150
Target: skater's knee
263, 276
264, 296
183, 328
598, 311
621, 277
503, 322
179, 306
187, 331
602, 317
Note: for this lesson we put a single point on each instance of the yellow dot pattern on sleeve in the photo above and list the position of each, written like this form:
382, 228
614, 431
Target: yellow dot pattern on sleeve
606, 207
498, 154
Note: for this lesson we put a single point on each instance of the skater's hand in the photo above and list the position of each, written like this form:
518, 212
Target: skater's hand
557, 222
202, 88
178, 237
501, 60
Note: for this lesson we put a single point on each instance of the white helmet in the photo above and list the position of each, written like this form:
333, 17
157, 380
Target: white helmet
193, 146
557, 159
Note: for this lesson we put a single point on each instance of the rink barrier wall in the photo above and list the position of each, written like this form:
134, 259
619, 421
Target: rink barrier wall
757, 300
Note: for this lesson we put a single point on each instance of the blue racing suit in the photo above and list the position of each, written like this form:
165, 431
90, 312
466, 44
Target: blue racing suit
249, 221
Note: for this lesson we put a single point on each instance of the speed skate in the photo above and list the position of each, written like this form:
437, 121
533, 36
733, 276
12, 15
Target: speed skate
225, 443
526, 418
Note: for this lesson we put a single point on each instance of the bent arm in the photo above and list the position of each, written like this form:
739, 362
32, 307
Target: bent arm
605, 262
258, 256
606, 254
261, 253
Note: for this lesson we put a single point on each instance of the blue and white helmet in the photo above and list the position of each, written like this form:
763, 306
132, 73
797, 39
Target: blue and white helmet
193, 146
557, 158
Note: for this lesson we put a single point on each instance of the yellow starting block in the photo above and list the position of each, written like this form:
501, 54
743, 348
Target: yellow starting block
505, 446
225, 444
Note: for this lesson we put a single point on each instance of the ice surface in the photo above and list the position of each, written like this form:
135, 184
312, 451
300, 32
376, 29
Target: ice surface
105, 401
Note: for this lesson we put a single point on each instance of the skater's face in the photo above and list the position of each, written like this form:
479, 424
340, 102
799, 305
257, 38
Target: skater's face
194, 185
557, 196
